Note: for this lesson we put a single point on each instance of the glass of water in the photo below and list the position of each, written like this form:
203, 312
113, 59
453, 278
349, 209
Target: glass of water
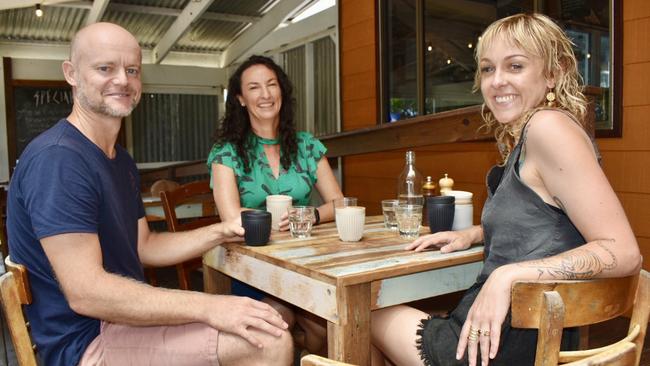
301, 219
409, 218
388, 208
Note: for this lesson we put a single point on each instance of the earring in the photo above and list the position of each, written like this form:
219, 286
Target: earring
550, 99
243, 105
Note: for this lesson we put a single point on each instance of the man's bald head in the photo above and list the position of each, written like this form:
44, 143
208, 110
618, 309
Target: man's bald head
100, 34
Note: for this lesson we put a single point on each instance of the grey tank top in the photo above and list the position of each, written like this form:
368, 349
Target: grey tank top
517, 224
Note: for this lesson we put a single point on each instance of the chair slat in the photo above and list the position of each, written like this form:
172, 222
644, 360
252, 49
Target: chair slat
584, 300
14, 291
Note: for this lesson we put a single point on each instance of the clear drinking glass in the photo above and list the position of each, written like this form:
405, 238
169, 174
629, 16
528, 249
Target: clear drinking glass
388, 209
301, 219
409, 218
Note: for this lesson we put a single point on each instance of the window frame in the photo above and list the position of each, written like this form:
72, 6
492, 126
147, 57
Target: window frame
616, 68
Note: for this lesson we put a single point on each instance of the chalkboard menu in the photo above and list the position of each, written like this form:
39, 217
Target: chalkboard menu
38, 109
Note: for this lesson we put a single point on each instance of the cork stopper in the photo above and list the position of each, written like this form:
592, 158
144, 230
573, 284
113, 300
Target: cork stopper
445, 184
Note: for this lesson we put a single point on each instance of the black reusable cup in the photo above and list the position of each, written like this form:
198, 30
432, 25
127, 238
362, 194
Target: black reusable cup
440, 213
257, 226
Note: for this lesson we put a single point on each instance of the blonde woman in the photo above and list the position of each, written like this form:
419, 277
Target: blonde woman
550, 212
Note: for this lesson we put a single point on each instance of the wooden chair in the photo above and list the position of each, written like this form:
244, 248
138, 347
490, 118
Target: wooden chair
163, 185
313, 360
550, 306
194, 193
15, 292
621, 354
158, 186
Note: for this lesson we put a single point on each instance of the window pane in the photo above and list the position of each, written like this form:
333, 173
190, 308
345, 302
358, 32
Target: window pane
588, 25
451, 30
401, 54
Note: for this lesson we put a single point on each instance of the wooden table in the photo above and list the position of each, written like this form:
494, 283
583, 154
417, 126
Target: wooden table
342, 282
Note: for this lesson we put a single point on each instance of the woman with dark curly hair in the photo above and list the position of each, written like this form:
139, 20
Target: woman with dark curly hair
259, 153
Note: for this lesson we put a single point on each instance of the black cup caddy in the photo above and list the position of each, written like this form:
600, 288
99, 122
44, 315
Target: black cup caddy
440, 213
257, 225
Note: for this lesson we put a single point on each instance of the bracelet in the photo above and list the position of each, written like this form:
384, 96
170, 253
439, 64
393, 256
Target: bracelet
317, 216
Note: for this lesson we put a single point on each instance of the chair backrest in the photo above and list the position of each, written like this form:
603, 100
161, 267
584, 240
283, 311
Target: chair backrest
162, 185
195, 194
551, 306
621, 354
15, 292
313, 360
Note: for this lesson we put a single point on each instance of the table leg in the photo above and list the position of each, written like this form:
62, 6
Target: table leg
349, 341
215, 282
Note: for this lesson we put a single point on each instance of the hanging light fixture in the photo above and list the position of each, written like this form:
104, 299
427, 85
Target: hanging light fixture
39, 11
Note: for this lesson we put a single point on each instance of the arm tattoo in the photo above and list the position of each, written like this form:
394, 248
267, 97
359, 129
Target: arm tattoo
578, 264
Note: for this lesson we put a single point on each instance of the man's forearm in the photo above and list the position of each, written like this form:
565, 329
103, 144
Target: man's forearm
127, 301
165, 249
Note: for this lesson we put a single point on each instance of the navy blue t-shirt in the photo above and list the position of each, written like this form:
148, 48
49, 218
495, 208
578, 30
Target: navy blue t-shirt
64, 183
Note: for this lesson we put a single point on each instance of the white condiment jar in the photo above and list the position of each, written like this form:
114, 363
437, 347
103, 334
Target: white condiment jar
464, 209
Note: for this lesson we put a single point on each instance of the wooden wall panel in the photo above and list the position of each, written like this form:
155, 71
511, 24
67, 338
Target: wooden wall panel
635, 9
636, 131
636, 40
372, 177
636, 78
353, 62
360, 34
361, 111
637, 208
624, 170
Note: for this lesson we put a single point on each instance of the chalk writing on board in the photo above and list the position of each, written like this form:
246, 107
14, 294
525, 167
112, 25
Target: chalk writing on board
37, 109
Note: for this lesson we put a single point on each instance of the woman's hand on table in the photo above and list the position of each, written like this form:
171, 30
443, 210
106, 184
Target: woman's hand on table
446, 241
485, 318
244, 313
284, 222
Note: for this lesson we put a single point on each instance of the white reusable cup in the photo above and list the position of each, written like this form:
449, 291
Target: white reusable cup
464, 211
277, 205
350, 219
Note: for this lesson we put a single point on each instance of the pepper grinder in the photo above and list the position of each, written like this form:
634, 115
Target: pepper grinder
446, 184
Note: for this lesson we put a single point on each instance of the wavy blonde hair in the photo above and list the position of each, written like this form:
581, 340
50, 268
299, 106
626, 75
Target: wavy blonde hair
539, 36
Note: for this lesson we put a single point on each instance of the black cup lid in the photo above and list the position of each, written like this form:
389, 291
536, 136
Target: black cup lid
255, 214
441, 199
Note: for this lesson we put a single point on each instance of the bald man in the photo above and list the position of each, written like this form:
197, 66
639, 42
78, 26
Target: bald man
76, 221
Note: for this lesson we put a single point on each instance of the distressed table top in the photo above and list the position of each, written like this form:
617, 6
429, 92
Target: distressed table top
379, 254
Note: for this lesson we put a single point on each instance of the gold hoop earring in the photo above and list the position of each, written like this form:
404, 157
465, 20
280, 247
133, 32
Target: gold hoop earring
550, 99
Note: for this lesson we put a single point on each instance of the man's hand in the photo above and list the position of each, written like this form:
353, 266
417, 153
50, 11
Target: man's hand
228, 231
237, 314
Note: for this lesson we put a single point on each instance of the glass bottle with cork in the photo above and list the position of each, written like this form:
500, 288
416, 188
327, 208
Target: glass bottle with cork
409, 184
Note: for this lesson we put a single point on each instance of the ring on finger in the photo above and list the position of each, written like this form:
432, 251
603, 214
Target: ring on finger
473, 334
485, 332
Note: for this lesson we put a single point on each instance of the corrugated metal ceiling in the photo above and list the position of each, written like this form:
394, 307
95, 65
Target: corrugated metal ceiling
207, 34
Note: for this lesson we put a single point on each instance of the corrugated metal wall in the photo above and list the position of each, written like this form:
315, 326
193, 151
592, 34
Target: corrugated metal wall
173, 127
294, 66
324, 86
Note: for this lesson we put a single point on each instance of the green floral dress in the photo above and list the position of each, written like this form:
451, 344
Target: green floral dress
297, 182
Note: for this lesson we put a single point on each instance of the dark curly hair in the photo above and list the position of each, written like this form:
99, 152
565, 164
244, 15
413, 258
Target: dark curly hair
235, 126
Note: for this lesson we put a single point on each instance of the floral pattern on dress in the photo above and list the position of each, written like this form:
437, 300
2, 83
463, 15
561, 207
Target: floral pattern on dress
297, 182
